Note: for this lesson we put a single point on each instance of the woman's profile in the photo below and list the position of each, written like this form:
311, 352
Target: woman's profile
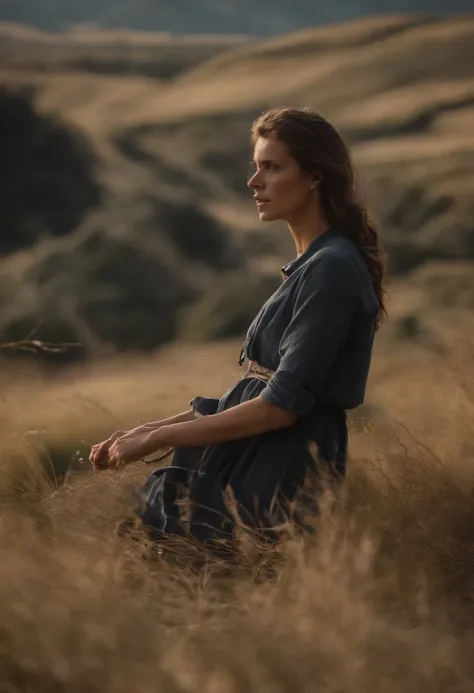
305, 358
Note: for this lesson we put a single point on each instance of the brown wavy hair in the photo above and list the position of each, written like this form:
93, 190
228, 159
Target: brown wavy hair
319, 148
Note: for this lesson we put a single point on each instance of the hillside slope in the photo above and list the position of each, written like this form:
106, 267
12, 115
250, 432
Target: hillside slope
172, 160
401, 90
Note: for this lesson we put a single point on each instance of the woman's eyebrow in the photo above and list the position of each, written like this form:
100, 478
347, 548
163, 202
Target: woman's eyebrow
262, 162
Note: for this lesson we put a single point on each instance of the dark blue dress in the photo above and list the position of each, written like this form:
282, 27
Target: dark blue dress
316, 332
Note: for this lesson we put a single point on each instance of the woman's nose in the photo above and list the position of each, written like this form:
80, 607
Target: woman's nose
252, 182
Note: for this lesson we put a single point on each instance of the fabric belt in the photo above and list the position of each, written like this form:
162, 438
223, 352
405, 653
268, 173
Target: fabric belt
255, 370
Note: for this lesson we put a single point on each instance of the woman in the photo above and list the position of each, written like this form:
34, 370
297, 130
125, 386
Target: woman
308, 351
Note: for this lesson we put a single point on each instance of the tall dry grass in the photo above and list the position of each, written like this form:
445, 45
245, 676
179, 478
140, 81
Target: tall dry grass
379, 599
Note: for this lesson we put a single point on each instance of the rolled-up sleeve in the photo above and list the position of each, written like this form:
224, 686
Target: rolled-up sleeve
324, 308
204, 406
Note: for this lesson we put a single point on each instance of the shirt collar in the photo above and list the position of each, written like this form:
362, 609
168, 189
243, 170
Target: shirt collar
315, 245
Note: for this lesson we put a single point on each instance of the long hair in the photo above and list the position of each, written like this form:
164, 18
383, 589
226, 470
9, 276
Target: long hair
318, 148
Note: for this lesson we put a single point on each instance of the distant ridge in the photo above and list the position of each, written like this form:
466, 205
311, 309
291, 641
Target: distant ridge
209, 16
102, 35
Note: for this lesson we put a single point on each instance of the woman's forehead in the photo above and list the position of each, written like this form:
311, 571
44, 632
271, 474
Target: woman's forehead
270, 148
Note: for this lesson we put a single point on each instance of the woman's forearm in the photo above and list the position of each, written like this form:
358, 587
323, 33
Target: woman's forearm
189, 415
244, 420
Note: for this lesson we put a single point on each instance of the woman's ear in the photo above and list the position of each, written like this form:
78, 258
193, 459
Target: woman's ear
315, 182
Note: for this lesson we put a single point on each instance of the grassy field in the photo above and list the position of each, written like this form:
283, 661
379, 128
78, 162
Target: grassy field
379, 599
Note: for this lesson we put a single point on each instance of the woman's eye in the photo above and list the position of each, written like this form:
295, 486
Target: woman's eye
266, 165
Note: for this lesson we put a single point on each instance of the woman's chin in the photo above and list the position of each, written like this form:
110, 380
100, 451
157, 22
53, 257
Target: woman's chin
267, 216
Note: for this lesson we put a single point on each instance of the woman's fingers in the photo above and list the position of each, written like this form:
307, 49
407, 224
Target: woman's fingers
99, 456
123, 451
92, 453
113, 456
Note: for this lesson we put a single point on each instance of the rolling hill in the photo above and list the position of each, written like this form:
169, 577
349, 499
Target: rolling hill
171, 159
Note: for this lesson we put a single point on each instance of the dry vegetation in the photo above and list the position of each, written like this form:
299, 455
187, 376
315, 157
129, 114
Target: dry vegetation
379, 599
116, 52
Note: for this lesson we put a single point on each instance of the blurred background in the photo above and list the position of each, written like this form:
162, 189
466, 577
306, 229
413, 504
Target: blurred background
128, 236
127, 228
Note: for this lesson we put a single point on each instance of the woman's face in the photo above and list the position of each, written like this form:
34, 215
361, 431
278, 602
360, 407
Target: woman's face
282, 190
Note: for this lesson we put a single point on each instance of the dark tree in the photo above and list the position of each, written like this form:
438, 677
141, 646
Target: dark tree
47, 174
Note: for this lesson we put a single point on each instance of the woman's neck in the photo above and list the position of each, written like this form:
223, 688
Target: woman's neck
307, 229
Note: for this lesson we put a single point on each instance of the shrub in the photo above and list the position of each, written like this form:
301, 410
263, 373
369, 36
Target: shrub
99, 291
227, 309
196, 235
447, 284
49, 182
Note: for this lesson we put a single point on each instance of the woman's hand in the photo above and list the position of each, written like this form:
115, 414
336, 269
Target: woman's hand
99, 455
132, 447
